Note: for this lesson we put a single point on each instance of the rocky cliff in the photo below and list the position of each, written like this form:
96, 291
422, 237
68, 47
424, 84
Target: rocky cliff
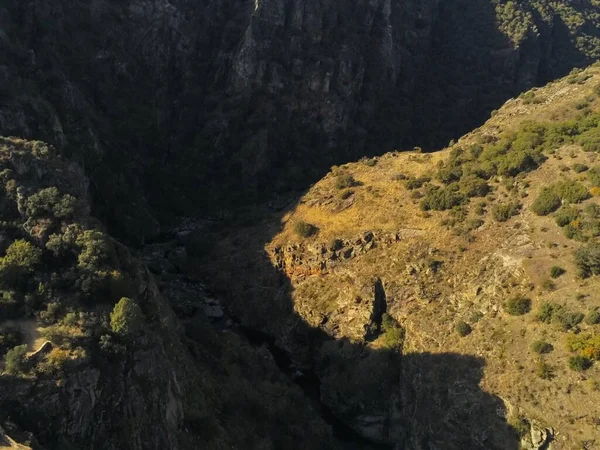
172, 382
156, 98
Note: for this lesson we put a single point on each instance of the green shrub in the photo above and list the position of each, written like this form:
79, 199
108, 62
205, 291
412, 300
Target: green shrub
566, 318
579, 363
449, 175
571, 191
304, 229
16, 360
473, 186
344, 181
126, 318
592, 210
505, 211
565, 215
416, 183
593, 176
440, 199
587, 260
392, 333
547, 202
517, 305
463, 328
593, 317
556, 271
19, 262
545, 311
579, 168
49, 202
23, 255
542, 347
96, 249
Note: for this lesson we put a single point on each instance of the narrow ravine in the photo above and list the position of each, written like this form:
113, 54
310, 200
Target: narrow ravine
157, 254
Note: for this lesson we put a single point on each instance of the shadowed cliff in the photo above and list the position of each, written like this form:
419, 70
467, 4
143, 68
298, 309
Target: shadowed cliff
254, 101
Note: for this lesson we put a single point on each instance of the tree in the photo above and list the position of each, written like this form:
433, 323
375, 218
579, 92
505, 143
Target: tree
22, 255
16, 359
126, 318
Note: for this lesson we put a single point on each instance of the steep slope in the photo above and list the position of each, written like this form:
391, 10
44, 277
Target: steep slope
410, 281
76, 374
253, 99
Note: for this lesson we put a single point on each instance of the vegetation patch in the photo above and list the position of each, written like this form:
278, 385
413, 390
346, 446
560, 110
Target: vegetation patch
517, 305
305, 229
504, 211
542, 347
463, 328
557, 271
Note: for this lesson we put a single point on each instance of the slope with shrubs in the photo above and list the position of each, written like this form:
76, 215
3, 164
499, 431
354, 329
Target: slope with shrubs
492, 239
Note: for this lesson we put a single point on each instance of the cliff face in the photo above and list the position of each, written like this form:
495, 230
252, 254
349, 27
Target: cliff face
171, 382
256, 98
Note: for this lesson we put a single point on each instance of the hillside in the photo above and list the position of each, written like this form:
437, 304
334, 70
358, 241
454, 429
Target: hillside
480, 258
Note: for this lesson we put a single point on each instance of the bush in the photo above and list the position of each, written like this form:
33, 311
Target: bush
505, 211
126, 318
542, 347
587, 260
344, 181
473, 186
579, 363
96, 249
463, 328
592, 210
517, 305
579, 168
16, 360
566, 319
547, 202
392, 333
565, 215
49, 202
449, 175
587, 345
545, 312
593, 176
441, 199
557, 271
416, 183
305, 229
571, 191
593, 317
22, 255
